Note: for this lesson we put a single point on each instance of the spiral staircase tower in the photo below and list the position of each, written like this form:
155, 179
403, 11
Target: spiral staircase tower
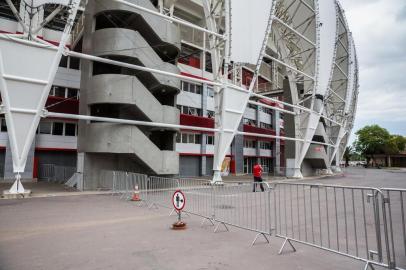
119, 32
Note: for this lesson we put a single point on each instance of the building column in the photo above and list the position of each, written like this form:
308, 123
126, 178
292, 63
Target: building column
276, 146
203, 148
257, 149
237, 149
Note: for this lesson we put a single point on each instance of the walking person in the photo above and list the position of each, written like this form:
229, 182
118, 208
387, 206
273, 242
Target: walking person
258, 177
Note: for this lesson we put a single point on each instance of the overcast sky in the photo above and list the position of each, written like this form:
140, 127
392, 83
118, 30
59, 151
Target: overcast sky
379, 31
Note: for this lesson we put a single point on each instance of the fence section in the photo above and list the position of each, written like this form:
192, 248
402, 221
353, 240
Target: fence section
362, 223
243, 205
199, 194
396, 217
55, 173
349, 221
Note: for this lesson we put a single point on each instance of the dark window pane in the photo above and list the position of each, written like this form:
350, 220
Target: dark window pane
59, 91
57, 129
45, 127
3, 125
72, 92
70, 129
184, 138
64, 62
74, 63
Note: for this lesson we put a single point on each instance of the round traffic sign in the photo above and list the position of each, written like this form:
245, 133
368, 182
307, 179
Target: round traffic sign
178, 200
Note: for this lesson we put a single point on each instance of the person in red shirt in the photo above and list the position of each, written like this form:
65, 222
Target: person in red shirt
258, 176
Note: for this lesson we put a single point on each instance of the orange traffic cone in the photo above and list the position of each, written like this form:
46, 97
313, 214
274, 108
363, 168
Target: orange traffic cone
136, 195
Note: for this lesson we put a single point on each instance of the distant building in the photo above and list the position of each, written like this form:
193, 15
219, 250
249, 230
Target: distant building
383, 160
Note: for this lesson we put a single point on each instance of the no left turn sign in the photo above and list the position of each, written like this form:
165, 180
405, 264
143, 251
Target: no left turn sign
178, 200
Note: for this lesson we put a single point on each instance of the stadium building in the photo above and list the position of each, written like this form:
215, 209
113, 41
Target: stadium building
119, 32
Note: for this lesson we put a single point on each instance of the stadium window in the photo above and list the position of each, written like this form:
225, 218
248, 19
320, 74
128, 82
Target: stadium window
265, 125
191, 138
64, 62
265, 145
3, 125
210, 92
178, 137
57, 128
72, 92
192, 88
45, 127
198, 89
197, 138
250, 122
266, 110
249, 144
184, 138
185, 86
210, 140
74, 63
70, 129
58, 91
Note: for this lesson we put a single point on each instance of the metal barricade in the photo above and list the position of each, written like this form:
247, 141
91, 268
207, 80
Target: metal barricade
363, 223
395, 217
46, 172
63, 173
55, 173
344, 220
199, 194
160, 191
237, 204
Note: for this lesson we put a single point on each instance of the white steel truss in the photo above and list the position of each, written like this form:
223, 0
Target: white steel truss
314, 49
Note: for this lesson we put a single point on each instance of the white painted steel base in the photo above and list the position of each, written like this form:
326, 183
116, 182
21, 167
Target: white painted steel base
295, 173
17, 187
329, 171
217, 178
7, 195
336, 169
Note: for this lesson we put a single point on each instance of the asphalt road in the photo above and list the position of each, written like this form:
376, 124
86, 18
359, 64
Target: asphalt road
104, 232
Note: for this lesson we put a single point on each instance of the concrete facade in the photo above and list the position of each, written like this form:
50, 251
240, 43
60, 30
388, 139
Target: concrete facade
118, 32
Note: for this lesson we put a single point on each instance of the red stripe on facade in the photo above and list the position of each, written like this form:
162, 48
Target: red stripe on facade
62, 105
253, 129
193, 76
200, 155
56, 43
196, 121
55, 149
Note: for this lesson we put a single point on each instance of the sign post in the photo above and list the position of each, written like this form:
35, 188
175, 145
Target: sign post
179, 201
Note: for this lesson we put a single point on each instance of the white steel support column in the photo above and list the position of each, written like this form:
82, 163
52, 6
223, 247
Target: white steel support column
27, 71
326, 27
231, 102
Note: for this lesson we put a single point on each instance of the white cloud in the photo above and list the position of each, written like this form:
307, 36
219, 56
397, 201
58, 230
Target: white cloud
379, 30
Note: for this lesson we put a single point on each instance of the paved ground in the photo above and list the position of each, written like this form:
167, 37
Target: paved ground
104, 232
356, 176
48, 189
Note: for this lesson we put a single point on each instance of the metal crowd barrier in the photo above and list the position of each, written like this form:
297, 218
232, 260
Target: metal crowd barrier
199, 194
237, 204
349, 221
55, 173
396, 216
160, 191
362, 223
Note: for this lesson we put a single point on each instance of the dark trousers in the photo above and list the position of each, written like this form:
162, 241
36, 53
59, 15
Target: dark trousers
256, 181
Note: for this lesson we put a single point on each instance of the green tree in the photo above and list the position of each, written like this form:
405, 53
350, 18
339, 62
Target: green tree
372, 140
396, 144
